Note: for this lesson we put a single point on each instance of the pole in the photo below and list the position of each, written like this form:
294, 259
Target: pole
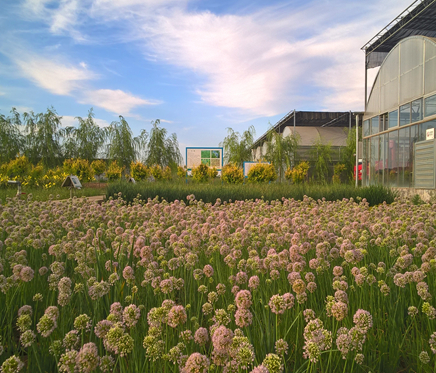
294, 121
357, 150
349, 122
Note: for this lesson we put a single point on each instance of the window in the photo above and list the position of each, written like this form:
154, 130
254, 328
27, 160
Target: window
393, 119
423, 129
430, 106
366, 131
384, 122
405, 114
417, 110
375, 125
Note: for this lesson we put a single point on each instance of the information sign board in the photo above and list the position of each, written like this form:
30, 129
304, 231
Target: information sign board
72, 181
429, 134
211, 157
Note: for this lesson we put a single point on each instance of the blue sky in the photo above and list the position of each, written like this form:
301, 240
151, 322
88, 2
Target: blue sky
199, 66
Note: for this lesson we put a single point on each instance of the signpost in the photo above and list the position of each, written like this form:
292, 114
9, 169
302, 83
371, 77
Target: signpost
72, 182
211, 157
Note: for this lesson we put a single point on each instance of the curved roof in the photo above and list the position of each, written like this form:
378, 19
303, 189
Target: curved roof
408, 72
417, 19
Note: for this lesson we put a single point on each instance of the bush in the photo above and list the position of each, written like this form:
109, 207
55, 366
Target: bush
181, 172
166, 173
18, 167
338, 170
79, 167
299, 173
139, 171
114, 171
232, 174
262, 173
99, 167
213, 173
156, 172
200, 173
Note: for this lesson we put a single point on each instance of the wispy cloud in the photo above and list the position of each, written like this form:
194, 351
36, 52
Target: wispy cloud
116, 101
55, 76
261, 63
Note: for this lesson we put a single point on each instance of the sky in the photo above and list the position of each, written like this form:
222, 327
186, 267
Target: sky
200, 66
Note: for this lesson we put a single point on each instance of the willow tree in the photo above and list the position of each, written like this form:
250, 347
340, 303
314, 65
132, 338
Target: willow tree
162, 149
121, 143
281, 151
237, 147
11, 139
84, 141
43, 135
322, 157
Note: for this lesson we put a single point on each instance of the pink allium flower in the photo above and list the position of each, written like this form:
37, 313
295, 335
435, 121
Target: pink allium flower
208, 270
222, 338
243, 299
87, 359
128, 273
26, 274
177, 316
196, 363
201, 336
253, 282
243, 317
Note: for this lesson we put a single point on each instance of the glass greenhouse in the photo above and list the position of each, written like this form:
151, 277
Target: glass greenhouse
398, 140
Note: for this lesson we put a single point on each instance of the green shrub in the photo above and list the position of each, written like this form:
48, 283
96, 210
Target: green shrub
262, 173
181, 172
232, 174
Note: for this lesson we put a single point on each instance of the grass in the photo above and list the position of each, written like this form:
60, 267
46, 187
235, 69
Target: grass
208, 193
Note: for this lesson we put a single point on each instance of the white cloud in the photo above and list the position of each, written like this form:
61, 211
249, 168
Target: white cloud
70, 121
116, 101
55, 76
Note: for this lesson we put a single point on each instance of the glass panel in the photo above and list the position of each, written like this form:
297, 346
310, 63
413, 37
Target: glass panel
404, 114
384, 122
423, 129
366, 128
384, 144
414, 137
373, 165
430, 105
365, 162
417, 110
375, 125
393, 119
404, 157
393, 158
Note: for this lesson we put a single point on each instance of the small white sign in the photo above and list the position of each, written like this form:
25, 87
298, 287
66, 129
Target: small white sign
429, 134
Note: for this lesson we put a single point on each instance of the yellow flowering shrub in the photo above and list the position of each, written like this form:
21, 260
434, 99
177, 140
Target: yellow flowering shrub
298, 174
232, 174
213, 172
262, 173
156, 172
181, 172
79, 167
99, 167
200, 173
114, 171
139, 171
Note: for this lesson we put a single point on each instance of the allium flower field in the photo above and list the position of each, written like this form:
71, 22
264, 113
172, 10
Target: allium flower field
286, 286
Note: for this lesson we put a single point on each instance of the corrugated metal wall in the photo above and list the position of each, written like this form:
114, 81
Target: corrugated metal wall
424, 164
